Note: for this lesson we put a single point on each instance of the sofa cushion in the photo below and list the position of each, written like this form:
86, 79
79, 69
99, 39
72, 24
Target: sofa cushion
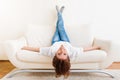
41, 35
90, 56
38, 35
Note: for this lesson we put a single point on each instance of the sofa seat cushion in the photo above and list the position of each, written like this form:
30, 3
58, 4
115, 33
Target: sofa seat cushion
90, 56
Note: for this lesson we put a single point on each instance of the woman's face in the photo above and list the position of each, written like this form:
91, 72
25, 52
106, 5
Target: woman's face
62, 53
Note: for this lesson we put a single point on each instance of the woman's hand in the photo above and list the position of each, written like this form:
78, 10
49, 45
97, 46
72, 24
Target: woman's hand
95, 47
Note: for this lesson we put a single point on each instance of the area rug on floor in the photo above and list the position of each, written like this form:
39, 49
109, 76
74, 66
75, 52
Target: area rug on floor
73, 76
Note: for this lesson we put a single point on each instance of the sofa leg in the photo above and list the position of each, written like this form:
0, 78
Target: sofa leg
52, 70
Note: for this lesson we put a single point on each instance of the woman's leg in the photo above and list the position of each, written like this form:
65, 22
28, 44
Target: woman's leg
56, 36
60, 26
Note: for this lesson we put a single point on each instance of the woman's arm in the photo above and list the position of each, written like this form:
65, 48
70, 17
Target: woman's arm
91, 48
31, 48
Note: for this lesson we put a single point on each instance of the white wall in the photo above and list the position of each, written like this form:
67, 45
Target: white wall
102, 15
106, 23
107, 19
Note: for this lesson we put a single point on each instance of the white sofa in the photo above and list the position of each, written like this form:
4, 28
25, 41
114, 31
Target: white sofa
40, 36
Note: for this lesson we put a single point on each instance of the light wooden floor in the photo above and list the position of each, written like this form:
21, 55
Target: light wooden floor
6, 66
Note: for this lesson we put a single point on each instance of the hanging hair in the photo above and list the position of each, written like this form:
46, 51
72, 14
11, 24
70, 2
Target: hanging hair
62, 67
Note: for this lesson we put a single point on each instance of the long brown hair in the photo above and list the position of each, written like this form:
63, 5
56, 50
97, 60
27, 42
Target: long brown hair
62, 67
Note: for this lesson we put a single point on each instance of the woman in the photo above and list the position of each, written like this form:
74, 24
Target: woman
61, 50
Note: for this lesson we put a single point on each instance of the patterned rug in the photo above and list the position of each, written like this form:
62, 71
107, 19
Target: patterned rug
73, 76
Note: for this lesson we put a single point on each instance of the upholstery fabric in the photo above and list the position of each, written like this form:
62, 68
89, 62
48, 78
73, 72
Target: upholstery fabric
90, 56
42, 35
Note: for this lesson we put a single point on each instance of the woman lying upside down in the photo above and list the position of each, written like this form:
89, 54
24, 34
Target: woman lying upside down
61, 50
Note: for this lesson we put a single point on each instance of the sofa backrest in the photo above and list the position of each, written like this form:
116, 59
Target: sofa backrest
41, 35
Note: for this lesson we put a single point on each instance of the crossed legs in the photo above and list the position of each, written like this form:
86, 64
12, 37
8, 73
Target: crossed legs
60, 33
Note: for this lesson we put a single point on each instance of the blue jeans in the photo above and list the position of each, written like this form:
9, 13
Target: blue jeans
60, 33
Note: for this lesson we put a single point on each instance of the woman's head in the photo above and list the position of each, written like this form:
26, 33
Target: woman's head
61, 53
61, 62
62, 66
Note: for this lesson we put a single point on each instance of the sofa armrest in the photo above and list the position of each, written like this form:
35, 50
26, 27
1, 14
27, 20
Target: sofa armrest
108, 47
105, 45
116, 51
12, 46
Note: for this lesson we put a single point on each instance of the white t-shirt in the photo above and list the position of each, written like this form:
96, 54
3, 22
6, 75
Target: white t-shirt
73, 52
